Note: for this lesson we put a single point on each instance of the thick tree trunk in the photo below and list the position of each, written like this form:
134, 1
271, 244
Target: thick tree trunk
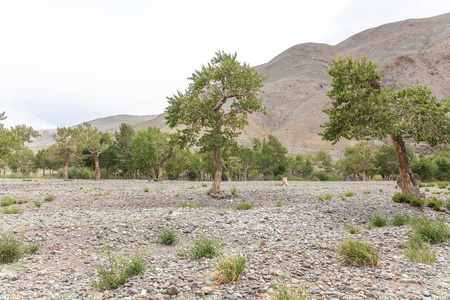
97, 165
66, 167
162, 163
405, 180
215, 189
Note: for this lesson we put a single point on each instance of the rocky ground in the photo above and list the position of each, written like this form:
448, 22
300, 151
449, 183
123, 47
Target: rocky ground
293, 243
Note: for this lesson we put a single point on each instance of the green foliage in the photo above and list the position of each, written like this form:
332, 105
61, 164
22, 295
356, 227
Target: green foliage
323, 198
229, 268
234, 191
49, 198
400, 220
366, 192
285, 292
188, 205
32, 248
400, 198
37, 203
273, 156
13, 211
349, 194
203, 247
7, 201
10, 248
358, 253
243, 206
435, 203
379, 221
168, 236
279, 204
442, 184
78, 173
433, 232
352, 229
417, 251
416, 201
146, 190
117, 270
325, 176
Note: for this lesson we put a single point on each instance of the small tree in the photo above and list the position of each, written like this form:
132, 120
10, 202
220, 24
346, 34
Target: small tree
88, 140
362, 110
66, 142
217, 102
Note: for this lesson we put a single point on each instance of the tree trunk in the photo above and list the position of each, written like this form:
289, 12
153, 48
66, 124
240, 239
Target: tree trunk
405, 180
43, 172
66, 167
215, 188
162, 163
97, 165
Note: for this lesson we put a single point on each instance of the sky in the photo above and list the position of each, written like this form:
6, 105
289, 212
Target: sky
64, 62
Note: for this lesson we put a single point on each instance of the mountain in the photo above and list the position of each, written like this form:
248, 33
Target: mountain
409, 52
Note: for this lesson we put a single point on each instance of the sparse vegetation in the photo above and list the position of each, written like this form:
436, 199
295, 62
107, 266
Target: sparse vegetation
12, 211
279, 204
352, 229
433, 232
188, 205
49, 198
203, 247
349, 194
401, 220
146, 190
10, 248
323, 198
7, 201
32, 248
417, 251
37, 203
234, 191
358, 253
168, 236
243, 206
379, 221
366, 192
229, 268
435, 203
285, 292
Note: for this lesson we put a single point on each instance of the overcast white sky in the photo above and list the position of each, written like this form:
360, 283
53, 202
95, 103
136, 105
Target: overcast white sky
64, 62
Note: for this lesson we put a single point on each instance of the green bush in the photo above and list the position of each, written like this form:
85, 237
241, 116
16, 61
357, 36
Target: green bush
435, 203
13, 211
400, 198
447, 205
442, 184
284, 292
32, 248
366, 192
78, 173
229, 268
118, 269
400, 220
358, 253
416, 201
379, 221
168, 237
203, 247
326, 176
243, 206
433, 232
10, 249
323, 198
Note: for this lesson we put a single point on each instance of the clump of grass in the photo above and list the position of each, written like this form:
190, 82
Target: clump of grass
243, 206
279, 204
204, 185
203, 247
188, 205
285, 292
10, 249
416, 201
146, 190
7, 201
447, 205
435, 203
168, 237
13, 211
234, 191
49, 198
349, 194
37, 203
427, 190
229, 268
22, 201
442, 184
400, 220
400, 198
417, 251
352, 229
32, 248
325, 197
117, 270
366, 192
379, 221
433, 232
358, 253
380, 190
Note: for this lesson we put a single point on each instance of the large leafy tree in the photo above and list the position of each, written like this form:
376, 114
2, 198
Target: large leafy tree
216, 105
361, 109
66, 141
89, 140
123, 147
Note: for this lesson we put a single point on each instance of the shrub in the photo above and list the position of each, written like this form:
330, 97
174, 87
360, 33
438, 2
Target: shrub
349, 194
358, 253
22, 201
234, 191
400, 198
416, 201
37, 203
323, 198
352, 229
366, 192
187, 205
229, 268
400, 220
442, 184
447, 205
9, 249
13, 211
203, 247
146, 190
279, 204
326, 176
204, 185
433, 232
7, 201
284, 292
49, 198
118, 269
168, 237
417, 251
32, 248
435, 203
379, 221
243, 206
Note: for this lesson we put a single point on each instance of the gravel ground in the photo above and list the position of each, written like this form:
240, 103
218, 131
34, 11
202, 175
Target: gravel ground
294, 243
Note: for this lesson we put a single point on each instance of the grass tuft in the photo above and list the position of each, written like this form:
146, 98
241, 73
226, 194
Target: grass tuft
229, 268
13, 211
203, 247
285, 292
7, 201
379, 221
358, 253
243, 206
352, 229
349, 194
433, 232
400, 220
188, 205
234, 192
146, 190
323, 198
49, 198
168, 237
279, 204
10, 248
435, 203
417, 251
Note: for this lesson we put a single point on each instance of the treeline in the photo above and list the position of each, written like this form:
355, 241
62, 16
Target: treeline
140, 154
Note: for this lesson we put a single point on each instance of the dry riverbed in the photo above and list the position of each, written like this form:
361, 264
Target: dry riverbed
293, 243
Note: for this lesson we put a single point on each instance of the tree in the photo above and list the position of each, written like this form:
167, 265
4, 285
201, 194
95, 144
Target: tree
25, 133
143, 153
66, 142
217, 102
274, 156
123, 147
89, 139
362, 110
323, 161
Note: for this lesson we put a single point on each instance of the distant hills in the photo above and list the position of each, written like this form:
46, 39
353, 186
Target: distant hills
409, 52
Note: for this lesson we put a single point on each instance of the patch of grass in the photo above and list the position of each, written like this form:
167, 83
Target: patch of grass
203, 247
32, 248
416, 201
380, 190
401, 220
279, 204
37, 203
379, 221
400, 198
146, 190
168, 237
285, 292
234, 191
366, 192
117, 270
435, 203
442, 184
49, 198
427, 190
325, 197
10, 249
417, 251
243, 206
188, 205
22, 201
342, 198
13, 211
447, 205
349, 194
352, 229
229, 268
7, 201
358, 253
204, 185
433, 232
436, 192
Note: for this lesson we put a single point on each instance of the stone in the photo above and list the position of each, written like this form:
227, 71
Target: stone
207, 290
172, 290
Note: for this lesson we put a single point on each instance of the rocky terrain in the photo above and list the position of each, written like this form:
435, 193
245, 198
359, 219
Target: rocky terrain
293, 243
